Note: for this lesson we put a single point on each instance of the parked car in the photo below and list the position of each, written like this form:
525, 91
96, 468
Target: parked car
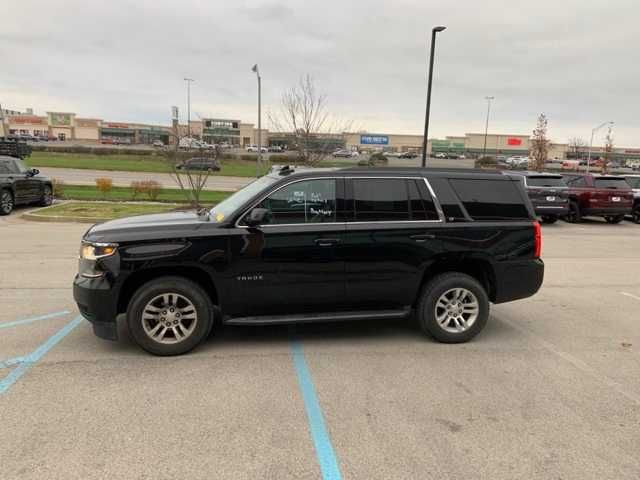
275, 148
607, 196
255, 149
440, 155
634, 183
158, 143
548, 193
345, 153
408, 155
354, 243
20, 185
200, 163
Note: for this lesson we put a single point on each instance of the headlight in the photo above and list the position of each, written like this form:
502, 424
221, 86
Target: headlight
94, 251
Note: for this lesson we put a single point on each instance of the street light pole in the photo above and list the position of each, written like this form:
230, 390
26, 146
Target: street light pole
426, 115
593, 132
189, 80
257, 72
486, 125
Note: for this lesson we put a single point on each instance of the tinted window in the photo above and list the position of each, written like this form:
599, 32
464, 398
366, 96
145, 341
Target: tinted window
545, 181
606, 182
422, 207
490, 199
309, 201
633, 181
576, 182
380, 199
448, 200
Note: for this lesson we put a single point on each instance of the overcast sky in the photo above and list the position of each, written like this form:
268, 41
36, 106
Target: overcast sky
576, 61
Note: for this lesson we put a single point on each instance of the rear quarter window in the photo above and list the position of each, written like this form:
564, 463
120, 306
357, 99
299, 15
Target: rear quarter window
618, 183
490, 199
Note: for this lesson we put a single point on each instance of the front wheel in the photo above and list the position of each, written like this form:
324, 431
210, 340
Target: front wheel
614, 218
635, 215
453, 308
549, 219
170, 316
47, 196
6, 202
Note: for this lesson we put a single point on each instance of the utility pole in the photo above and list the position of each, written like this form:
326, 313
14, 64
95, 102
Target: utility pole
426, 115
486, 125
189, 80
256, 70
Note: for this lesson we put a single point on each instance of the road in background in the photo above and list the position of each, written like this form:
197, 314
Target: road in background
548, 390
74, 176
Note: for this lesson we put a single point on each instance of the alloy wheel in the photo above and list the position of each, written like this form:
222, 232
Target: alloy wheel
457, 310
169, 318
47, 196
6, 202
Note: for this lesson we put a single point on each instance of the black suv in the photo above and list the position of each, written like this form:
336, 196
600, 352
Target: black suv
548, 193
317, 245
21, 185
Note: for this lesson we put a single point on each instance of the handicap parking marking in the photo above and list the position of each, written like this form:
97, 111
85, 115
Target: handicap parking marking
26, 362
34, 319
324, 450
630, 295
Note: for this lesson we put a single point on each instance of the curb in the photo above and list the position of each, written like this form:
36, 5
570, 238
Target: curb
33, 217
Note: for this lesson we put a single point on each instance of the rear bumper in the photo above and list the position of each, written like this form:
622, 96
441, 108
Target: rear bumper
602, 211
516, 280
97, 303
559, 210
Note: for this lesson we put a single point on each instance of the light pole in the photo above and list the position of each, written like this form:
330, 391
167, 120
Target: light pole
593, 132
426, 115
257, 72
189, 80
486, 125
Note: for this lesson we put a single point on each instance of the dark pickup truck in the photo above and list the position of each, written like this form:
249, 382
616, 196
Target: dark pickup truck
606, 196
312, 245
20, 185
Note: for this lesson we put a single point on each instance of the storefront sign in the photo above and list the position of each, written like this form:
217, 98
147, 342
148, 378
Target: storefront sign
30, 120
514, 141
117, 125
374, 140
60, 119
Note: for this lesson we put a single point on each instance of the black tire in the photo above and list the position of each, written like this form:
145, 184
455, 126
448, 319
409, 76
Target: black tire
431, 293
574, 215
635, 215
6, 202
549, 219
47, 196
614, 218
174, 285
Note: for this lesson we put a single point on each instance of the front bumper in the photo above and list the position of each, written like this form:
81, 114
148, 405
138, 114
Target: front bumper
97, 303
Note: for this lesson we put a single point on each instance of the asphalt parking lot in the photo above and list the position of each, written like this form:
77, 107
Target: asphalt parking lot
550, 389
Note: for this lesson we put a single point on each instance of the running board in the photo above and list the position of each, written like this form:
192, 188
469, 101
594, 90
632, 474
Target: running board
320, 317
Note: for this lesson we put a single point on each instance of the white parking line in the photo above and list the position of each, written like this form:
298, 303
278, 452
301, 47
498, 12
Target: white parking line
631, 295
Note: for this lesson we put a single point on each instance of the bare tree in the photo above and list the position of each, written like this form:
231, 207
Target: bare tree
191, 181
608, 149
577, 146
540, 144
303, 115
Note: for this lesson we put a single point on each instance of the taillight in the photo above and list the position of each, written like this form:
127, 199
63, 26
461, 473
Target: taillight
537, 233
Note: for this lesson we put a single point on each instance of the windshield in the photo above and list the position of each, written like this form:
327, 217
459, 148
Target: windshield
633, 181
229, 205
546, 181
609, 182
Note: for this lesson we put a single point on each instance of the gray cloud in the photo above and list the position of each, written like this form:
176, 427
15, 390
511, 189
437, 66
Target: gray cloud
125, 60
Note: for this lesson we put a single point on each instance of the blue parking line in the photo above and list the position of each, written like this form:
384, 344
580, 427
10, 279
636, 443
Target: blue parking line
324, 450
37, 354
33, 319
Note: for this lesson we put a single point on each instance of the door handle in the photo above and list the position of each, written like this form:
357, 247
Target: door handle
422, 237
326, 242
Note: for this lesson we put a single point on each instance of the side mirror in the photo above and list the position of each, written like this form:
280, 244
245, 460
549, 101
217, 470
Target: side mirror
257, 216
33, 172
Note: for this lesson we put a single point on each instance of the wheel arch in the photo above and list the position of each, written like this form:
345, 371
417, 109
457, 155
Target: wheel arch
139, 278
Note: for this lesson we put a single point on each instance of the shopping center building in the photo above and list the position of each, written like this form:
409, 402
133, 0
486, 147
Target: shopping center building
68, 126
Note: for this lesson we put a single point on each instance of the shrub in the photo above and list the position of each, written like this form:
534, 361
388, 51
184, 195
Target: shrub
104, 185
151, 188
486, 162
378, 158
57, 186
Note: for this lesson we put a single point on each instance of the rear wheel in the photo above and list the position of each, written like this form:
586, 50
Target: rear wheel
614, 218
170, 316
6, 202
453, 308
549, 219
574, 215
635, 215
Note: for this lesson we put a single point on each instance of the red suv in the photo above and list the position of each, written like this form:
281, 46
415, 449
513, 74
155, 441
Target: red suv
596, 195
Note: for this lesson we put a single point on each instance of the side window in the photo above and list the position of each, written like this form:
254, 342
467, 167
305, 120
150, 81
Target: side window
490, 199
309, 201
422, 207
380, 199
579, 182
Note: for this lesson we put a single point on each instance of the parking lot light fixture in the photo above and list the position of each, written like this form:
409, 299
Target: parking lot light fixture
189, 81
426, 116
593, 132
